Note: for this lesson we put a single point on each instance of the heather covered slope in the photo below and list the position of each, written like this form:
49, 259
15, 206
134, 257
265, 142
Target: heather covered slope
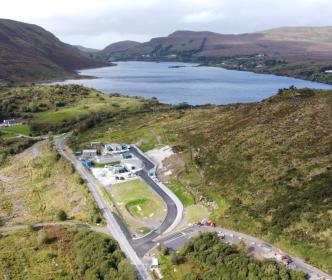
30, 53
62, 253
266, 164
209, 44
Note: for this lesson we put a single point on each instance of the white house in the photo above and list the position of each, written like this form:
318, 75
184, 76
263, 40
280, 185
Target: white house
11, 122
89, 153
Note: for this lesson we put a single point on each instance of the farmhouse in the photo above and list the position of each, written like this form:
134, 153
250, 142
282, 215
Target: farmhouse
11, 122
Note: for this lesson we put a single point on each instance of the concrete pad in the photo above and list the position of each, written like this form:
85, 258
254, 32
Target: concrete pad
160, 154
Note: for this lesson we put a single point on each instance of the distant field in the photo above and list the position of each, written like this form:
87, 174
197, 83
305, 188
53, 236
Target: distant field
14, 131
62, 107
18, 129
63, 114
87, 107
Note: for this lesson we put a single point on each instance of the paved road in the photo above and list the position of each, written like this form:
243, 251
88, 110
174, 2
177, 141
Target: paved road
174, 206
254, 245
135, 248
112, 225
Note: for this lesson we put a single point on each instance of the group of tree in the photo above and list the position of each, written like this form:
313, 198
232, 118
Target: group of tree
100, 258
213, 259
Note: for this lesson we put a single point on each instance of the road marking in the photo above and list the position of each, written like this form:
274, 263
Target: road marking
181, 234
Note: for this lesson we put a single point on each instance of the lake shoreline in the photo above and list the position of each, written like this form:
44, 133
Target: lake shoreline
179, 82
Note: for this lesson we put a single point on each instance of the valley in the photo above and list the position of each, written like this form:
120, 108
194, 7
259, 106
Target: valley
197, 155
218, 165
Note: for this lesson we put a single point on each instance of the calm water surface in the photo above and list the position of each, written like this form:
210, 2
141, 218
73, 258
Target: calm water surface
195, 85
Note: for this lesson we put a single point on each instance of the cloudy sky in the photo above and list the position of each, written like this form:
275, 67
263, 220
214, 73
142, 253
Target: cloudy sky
96, 23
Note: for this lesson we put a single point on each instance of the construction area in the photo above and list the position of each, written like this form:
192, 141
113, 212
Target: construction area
110, 163
117, 169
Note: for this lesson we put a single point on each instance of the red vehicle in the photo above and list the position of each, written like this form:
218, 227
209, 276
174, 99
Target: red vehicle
210, 224
207, 223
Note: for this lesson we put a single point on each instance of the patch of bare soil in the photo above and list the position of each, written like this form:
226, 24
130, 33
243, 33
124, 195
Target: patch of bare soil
31, 153
172, 167
159, 155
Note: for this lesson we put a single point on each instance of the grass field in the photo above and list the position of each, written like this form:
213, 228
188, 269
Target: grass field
36, 184
182, 193
23, 129
139, 205
142, 208
14, 131
102, 165
196, 213
87, 106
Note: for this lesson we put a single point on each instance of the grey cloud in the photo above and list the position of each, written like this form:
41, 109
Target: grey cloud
160, 18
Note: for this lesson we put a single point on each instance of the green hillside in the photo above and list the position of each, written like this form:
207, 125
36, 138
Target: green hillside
267, 165
57, 109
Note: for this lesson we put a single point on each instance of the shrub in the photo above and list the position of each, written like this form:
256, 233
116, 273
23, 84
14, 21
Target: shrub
42, 238
61, 215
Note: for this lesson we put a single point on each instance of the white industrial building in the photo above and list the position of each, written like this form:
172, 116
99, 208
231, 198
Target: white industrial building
115, 148
133, 164
89, 154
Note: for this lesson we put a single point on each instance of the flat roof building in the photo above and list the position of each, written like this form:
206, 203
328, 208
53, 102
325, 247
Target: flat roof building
133, 164
89, 153
114, 148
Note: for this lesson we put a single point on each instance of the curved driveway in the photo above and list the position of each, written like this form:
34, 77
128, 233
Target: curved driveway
135, 248
174, 205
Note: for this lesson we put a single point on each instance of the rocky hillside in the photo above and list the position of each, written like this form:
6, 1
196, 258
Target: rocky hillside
30, 53
303, 52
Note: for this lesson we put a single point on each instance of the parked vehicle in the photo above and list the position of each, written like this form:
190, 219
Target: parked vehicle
207, 223
221, 235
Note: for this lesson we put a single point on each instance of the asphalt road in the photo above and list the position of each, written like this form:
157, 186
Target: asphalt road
112, 224
142, 245
135, 248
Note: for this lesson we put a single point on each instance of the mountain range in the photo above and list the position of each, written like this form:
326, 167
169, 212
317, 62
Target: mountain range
304, 52
30, 53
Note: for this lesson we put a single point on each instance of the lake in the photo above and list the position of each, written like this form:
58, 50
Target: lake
194, 85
